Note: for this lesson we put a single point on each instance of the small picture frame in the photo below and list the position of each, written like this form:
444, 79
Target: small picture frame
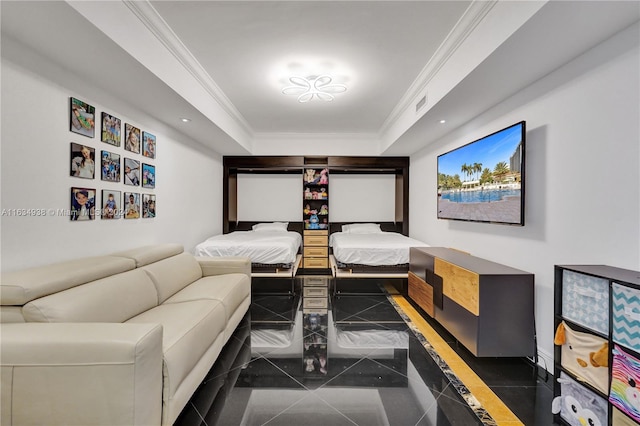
131, 204
82, 162
131, 172
148, 205
82, 118
110, 166
111, 207
83, 204
131, 138
148, 176
111, 126
148, 145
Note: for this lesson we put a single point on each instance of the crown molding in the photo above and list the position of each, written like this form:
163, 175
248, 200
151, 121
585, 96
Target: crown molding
297, 136
151, 19
474, 14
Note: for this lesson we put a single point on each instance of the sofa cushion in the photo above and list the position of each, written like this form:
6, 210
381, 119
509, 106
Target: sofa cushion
21, 287
112, 299
231, 290
173, 274
190, 328
149, 254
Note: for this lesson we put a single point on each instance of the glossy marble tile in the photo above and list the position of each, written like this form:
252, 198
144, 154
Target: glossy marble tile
359, 362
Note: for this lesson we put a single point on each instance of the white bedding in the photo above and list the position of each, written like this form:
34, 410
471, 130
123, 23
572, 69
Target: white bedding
374, 249
268, 247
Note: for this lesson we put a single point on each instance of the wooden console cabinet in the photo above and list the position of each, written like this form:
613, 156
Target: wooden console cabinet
486, 306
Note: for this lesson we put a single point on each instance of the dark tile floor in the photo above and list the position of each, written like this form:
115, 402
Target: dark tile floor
355, 363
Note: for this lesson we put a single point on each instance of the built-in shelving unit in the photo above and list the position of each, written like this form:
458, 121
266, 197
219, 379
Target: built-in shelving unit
315, 215
236, 165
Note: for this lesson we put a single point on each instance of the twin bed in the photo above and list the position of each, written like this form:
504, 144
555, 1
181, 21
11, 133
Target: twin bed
370, 249
358, 249
274, 248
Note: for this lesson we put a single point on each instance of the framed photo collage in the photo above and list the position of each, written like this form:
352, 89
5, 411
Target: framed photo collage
133, 168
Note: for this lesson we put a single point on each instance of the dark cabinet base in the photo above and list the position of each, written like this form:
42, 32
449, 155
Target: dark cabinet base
486, 306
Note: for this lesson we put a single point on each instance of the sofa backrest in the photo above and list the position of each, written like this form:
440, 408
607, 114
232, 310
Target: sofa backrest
173, 274
168, 266
18, 288
112, 299
149, 254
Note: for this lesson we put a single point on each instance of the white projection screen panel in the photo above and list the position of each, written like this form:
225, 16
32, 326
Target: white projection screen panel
270, 197
362, 198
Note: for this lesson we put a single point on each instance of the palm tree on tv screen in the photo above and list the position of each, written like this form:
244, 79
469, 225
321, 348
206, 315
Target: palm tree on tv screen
500, 170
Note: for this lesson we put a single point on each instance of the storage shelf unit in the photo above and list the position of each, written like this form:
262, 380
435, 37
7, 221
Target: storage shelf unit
315, 217
597, 352
486, 306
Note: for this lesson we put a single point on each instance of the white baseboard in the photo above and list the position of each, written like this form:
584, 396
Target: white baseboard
545, 360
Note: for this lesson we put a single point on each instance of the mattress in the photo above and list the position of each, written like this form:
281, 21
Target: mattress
374, 249
264, 247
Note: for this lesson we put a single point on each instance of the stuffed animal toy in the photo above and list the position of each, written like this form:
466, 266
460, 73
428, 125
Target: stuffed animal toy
310, 176
307, 209
625, 383
579, 406
324, 209
323, 193
313, 222
585, 355
314, 195
324, 179
307, 194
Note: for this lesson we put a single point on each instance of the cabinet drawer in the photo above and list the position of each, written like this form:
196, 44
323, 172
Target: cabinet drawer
316, 262
316, 232
460, 285
581, 354
316, 240
626, 316
585, 300
315, 292
587, 400
316, 252
421, 293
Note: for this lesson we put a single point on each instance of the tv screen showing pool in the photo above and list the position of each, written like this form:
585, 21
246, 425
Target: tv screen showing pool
483, 181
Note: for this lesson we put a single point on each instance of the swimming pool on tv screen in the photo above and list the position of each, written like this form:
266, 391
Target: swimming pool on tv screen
480, 196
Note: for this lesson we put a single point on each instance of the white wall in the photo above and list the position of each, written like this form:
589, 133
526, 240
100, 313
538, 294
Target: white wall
583, 180
35, 172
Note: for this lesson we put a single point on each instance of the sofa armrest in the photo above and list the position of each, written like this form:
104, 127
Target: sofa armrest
100, 373
224, 265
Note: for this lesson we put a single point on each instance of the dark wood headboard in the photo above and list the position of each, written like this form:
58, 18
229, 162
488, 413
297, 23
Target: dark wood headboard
385, 226
246, 226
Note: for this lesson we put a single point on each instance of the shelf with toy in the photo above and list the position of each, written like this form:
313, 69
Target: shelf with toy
314, 193
316, 176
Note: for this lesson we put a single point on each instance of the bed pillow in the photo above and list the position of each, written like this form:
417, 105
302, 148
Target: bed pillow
269, 227
362, 228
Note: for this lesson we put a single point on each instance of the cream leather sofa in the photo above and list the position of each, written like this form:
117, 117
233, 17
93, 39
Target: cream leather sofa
123, 339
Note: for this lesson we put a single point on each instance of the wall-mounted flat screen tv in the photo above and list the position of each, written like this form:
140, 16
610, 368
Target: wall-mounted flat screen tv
483, 181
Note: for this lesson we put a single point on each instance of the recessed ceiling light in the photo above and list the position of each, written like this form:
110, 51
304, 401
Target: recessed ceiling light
443, 121
307, 88
185, 120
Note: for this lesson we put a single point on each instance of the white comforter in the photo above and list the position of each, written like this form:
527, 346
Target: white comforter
259, 246
375, 249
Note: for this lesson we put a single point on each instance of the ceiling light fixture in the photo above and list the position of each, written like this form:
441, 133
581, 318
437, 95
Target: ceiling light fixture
185, 120
443, 121
308, 88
